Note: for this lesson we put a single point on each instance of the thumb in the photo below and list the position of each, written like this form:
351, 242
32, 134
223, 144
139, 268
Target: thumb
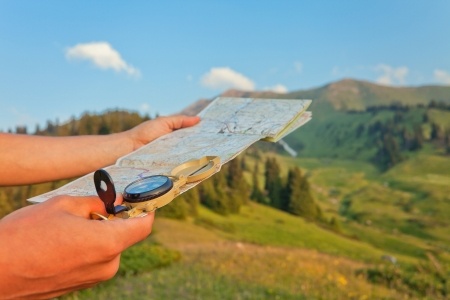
181, 121
130, 231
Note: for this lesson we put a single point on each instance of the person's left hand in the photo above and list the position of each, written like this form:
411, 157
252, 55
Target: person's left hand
148, 131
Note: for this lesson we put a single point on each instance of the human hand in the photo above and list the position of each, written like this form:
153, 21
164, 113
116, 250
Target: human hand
148, 131
53, 248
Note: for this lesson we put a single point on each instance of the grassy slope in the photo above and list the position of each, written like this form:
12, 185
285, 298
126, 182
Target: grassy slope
264, 254
218, 264
404, 211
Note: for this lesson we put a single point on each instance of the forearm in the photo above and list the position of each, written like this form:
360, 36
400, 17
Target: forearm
28, 159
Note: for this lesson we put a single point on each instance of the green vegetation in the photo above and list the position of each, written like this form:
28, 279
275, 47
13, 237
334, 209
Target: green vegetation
362, 213
145, 257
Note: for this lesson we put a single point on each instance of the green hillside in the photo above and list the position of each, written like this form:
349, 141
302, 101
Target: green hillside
376, 163
265, 253
361, 120
382, 125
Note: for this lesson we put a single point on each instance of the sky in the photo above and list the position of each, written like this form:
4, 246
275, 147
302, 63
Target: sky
60, 59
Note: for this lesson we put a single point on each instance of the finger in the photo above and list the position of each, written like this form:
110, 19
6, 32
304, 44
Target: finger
190, 121
182, 121
128, 232
119, 199
81, 206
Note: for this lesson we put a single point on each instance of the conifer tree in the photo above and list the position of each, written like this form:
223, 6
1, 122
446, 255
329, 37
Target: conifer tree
208, 195
213, 194
192, 198
256, 194
104, 127
236, 182
299, 199
244, 166
273, 184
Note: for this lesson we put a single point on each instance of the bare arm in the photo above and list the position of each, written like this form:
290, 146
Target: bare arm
68, 250
28, 159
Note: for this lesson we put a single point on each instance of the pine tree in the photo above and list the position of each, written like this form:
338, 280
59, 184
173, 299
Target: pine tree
273, 184
257, 194
244, 166
104, 127
299, 199
192, 198
238, 187
208, 195
213, 194
447, 144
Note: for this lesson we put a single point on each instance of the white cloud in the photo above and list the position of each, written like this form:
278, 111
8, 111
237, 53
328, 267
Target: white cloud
391, 75
226, 78
298, 66
102, 55
442, 76
278, 88
144, 108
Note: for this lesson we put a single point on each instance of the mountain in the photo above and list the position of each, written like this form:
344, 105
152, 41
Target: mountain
355, 119
349, 95
394, 231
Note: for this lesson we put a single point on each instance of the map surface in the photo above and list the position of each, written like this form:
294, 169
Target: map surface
228, 126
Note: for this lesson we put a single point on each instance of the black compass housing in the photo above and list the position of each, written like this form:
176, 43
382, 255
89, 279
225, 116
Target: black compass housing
147, 188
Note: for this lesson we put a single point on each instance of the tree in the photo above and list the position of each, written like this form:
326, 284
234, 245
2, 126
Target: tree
236, 181
177, 209
257, 195
389, 152
447, 144
104, 128
213, 194
299, 199
273, 184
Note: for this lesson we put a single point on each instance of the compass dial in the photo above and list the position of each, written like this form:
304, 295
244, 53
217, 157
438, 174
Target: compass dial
147, 188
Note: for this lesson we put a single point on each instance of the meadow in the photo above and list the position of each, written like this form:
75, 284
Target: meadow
264, 253
377, 162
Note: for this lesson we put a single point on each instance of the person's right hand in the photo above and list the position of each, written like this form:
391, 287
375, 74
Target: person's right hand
52, 248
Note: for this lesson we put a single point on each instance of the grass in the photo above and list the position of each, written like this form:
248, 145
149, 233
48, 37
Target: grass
214, 267
262, 225
263, 253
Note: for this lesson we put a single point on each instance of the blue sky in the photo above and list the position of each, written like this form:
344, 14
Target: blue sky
61, 58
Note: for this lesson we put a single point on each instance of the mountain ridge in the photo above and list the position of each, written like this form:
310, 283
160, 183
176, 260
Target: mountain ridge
346, 95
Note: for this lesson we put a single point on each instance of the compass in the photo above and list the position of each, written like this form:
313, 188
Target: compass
152, 192
147, 188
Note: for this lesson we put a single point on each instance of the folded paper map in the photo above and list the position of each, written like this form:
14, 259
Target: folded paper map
227, 127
